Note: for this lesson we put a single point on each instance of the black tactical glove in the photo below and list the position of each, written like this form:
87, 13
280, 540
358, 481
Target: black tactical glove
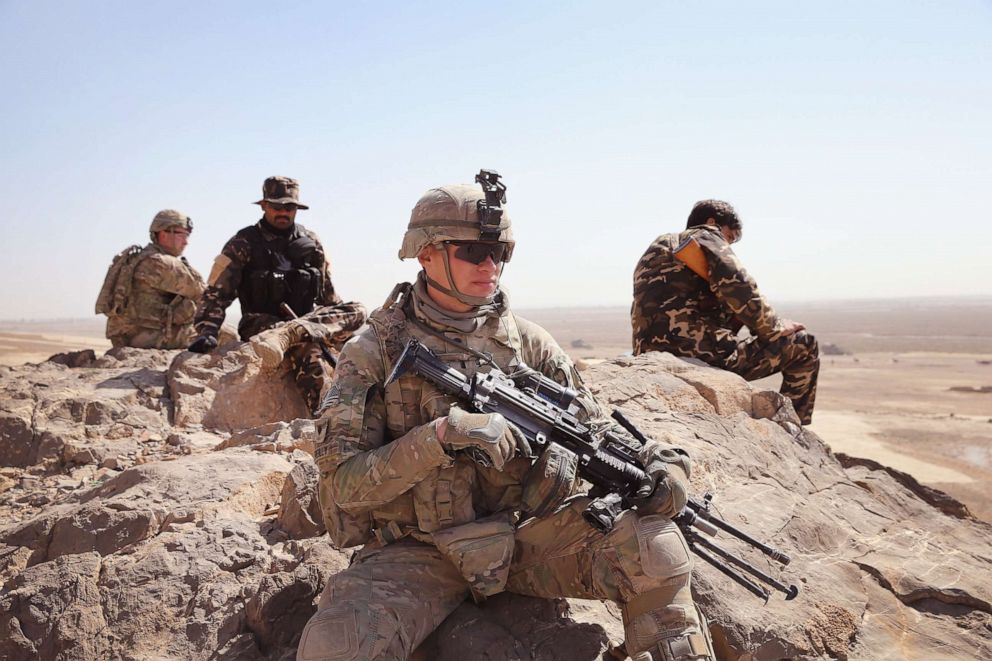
203, 344
664, 489
488, 436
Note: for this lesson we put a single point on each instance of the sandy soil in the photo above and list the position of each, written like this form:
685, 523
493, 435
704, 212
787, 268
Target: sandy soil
20, 348
891, 401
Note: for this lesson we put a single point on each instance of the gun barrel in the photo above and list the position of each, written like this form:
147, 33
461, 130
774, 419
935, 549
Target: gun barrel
702, 512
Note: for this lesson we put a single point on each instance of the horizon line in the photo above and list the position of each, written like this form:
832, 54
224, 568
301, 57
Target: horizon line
972, 298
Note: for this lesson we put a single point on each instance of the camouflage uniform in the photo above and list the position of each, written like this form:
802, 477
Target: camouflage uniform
258, 249
162, 300
438, 527
678, 311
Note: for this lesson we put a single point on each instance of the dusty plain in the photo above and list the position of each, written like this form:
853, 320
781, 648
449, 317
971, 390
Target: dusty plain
913, 390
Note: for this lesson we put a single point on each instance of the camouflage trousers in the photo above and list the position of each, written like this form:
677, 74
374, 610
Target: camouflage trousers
329, 326
311, 371
147, 338
392, 597
797, 357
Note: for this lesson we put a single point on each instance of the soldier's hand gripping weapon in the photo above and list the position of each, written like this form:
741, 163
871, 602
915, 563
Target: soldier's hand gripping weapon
542, 409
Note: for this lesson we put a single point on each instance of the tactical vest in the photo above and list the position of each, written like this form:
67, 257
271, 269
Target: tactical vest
115, 293
450, 500
415, 396
287, 269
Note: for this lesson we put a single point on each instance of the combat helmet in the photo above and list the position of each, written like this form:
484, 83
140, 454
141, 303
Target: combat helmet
460, 212
168, 218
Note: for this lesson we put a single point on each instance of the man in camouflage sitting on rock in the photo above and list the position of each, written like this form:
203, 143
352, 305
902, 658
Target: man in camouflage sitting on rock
437, 526
278, 270
150, 294
692, 295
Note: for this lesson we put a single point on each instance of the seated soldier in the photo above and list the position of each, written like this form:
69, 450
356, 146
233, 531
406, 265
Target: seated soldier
278, 270
150, 294
399, 476
692, 296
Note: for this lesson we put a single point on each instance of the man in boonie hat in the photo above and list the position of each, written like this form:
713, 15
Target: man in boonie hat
279, 271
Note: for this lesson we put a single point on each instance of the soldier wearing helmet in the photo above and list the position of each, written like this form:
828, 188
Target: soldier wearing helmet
438, 525
150, 294
692, 296
278, 270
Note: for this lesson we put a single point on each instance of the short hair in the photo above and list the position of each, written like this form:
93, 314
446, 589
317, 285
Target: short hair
722, 212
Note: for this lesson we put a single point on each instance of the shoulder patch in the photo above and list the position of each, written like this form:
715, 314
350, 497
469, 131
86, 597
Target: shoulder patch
332, 397
220, 265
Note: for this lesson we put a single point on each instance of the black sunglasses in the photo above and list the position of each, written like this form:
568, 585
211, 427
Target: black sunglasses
476, 252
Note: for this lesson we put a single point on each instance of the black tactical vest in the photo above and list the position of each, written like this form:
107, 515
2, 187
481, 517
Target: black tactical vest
286, 269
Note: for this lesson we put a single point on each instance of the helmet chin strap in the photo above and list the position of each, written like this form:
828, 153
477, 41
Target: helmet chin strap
474, 301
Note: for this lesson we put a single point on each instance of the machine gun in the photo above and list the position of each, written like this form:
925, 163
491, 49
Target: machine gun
542, 410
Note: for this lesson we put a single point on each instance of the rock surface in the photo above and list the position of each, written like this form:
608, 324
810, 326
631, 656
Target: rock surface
160, 504
228, 390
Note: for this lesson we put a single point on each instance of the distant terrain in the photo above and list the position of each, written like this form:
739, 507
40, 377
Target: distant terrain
911, 393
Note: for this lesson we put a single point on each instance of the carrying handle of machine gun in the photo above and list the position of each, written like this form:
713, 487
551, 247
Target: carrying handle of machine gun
324, 351
696, 518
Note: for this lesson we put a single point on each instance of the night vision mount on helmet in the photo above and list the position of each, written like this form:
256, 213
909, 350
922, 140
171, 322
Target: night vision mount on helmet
460, 212
490, 209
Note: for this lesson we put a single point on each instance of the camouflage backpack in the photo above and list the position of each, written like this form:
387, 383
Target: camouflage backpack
116, 290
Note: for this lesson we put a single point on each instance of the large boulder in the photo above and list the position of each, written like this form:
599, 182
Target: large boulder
157, 511
228, 390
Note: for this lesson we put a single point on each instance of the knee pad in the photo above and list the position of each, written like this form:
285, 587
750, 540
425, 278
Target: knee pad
348, 632
330, 634
664, 552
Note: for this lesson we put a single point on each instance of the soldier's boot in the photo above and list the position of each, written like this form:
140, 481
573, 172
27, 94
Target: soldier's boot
271, 345
656, 629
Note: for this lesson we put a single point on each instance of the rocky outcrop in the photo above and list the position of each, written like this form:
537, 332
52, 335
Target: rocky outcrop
881, 570
228, 390
162, 505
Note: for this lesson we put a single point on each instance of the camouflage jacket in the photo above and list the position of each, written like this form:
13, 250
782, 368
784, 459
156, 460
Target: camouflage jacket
232, 270
678, 311
164, 291
380, 460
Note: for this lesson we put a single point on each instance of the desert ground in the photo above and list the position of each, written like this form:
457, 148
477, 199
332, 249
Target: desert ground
913, 389
34, 341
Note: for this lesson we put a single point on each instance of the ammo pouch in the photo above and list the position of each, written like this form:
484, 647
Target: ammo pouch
550, 480
482, 551
266, 290
344, 528
304, 288
299, 288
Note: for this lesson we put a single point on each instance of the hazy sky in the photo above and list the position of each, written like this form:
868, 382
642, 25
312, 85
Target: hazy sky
855, 138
